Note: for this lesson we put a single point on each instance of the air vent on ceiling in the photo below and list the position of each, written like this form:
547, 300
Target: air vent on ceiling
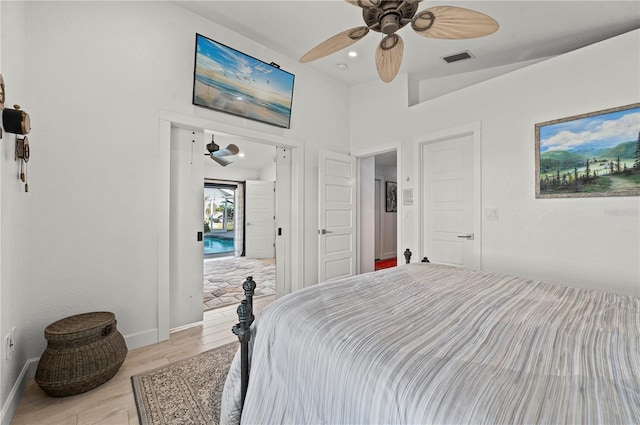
458, 57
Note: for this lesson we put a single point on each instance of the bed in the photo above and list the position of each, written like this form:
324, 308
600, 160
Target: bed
425, 343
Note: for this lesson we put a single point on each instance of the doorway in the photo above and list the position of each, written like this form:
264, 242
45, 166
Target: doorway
170, 313
219, 208
239, 222
378, 210
386, 210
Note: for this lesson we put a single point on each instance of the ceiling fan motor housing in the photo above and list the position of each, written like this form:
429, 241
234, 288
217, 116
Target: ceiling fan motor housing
390, 23
390, 16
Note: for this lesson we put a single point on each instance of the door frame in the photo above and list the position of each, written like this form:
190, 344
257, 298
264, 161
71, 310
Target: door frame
168, 119
473, 129
373, 151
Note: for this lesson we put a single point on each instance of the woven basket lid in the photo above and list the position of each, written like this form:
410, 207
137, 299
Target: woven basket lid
79, 326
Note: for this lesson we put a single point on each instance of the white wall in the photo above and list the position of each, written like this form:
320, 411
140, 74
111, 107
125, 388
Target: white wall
575, 241
16, 226
99, 75
214, 171
268, 172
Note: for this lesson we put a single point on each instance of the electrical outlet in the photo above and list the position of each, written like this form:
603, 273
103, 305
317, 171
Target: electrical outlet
10, 343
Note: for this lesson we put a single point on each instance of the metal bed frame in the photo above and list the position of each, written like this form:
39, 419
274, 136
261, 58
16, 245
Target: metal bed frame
242, 329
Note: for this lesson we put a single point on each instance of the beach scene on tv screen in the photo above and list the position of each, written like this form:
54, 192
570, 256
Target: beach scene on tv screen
233, 82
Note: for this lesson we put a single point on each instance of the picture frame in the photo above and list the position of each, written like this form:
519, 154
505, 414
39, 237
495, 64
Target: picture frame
589, 155
391, 196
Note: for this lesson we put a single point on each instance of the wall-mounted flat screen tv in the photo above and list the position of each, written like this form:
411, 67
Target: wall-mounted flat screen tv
230, 81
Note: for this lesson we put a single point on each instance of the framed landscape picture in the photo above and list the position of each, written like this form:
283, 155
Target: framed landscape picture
593, 154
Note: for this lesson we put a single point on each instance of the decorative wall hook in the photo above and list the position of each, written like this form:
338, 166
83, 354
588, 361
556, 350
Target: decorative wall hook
17, 122
22, 154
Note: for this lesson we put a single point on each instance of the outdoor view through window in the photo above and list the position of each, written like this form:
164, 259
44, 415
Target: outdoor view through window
219, 223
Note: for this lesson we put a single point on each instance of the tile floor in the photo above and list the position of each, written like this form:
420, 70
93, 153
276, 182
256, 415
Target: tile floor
223, 279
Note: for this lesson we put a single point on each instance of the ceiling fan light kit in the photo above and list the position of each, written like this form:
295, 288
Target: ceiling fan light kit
387, 17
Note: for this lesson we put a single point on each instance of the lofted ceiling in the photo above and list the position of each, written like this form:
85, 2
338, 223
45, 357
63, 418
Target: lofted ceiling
529, 31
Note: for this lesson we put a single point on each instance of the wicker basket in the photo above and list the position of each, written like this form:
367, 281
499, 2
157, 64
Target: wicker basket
83, 351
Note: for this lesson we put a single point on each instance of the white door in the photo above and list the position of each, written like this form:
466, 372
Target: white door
448, 185
337, 216
259, 219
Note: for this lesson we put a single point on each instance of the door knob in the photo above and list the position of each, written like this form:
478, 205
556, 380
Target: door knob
468, 237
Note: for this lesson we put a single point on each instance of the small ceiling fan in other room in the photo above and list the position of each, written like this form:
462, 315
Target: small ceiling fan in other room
387, 17
218, 154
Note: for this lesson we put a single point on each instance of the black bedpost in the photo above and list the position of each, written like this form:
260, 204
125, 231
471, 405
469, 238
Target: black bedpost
249, 286
407, 255
243, 332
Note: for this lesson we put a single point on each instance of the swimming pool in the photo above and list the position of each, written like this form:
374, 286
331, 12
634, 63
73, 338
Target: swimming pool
215, 245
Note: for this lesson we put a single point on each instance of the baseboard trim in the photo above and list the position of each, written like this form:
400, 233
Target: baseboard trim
9, 408
141, 339
28, 372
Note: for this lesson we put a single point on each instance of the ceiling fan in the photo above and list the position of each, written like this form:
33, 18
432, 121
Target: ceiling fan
387, 17
218, 154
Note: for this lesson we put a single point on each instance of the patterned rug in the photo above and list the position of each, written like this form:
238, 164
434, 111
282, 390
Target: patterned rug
185, 392
223, 278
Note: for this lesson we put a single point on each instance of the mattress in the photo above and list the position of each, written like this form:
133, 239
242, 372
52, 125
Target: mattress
424, 343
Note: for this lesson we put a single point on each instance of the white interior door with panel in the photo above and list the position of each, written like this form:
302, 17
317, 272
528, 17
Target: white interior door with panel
449, 202
337, 216
259, 219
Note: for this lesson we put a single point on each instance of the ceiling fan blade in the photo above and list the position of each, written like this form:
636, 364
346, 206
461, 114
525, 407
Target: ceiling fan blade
389, 57
229, 150
335, 43
221, 161
364, 3
451, 22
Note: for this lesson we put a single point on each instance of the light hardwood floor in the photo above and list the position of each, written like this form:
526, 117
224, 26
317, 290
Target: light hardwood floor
112, 403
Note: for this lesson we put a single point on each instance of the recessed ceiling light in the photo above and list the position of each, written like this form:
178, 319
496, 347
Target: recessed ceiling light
342, 66
241, 154
352, 54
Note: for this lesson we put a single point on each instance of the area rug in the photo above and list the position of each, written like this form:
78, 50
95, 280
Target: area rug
185, 392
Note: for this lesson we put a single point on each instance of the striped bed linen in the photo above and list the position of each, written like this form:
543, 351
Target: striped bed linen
424, 344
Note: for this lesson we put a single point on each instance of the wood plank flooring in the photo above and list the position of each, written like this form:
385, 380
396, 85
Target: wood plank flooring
112, 403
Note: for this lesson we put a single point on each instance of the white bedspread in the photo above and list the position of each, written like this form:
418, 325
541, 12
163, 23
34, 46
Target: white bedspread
422, 344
